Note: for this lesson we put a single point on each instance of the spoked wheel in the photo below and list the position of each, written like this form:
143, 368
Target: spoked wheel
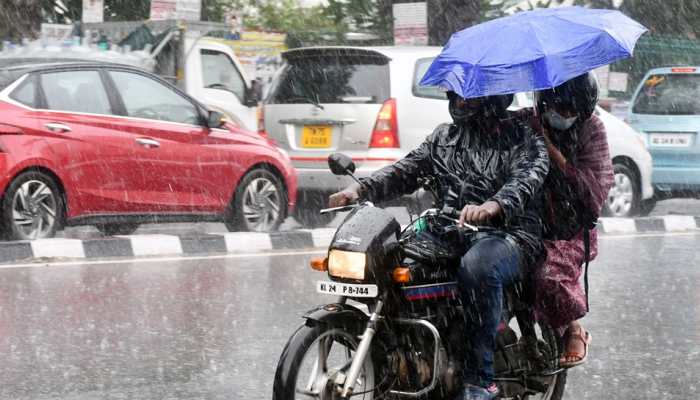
314, 360
259, 205
624, 198
32, 207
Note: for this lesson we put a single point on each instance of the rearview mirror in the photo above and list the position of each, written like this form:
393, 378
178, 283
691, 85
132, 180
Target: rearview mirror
215, 119
340, 164
253, 94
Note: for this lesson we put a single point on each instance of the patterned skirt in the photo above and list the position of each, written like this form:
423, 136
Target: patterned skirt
558, 293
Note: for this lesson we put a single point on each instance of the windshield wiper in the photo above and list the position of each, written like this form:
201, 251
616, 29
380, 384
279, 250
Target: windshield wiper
307, 100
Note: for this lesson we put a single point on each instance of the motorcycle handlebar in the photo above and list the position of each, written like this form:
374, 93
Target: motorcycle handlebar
338, 209
453, 215
347, 207
451, 212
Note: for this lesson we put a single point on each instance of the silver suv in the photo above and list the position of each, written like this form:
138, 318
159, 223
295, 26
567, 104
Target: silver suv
364, 102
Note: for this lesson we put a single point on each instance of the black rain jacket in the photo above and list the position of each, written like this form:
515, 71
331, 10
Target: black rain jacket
508, 166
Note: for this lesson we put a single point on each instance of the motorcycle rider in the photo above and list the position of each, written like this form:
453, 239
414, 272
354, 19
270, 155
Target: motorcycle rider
580, 177
491, 167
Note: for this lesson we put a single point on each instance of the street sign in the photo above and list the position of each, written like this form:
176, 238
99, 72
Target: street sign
411, 23
93, 10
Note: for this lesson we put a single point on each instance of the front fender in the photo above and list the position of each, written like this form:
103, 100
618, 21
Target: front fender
340, 315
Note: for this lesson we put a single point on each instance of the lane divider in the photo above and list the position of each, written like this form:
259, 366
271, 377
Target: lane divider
247, 243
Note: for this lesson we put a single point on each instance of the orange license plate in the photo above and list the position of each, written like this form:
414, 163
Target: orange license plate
316, 136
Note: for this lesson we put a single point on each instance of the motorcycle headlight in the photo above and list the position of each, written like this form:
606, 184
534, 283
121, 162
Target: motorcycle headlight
347, 264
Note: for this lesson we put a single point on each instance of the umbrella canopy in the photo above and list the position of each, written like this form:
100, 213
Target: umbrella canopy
532, 50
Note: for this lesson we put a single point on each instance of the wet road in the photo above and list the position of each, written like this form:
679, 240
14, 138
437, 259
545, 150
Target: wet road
666, 207
214, 328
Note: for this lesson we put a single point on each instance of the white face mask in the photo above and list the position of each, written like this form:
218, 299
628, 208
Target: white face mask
556, 121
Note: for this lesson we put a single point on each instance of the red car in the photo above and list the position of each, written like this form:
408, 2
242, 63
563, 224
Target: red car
83, 143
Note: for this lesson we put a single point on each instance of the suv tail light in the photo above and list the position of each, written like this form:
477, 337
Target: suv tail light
261, 126
386, 129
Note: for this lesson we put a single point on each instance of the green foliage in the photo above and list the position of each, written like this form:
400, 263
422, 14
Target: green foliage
673, 27
323, 25
115, 10
72, 11
672, 17
287, 15
126, 10
213, 10
19, 18
373, 16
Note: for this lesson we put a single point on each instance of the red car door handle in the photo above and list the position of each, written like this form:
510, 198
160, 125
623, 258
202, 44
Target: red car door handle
150, 143
56, 127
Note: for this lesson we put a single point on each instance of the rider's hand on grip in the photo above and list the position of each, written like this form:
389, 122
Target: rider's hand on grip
344, 197
479, 215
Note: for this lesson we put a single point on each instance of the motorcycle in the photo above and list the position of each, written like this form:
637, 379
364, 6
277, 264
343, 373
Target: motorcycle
409, 344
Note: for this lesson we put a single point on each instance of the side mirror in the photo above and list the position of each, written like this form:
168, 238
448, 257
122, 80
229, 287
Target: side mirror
340, 164
215, 119
253, 94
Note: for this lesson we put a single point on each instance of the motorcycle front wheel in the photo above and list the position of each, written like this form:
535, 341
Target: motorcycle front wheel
313, 359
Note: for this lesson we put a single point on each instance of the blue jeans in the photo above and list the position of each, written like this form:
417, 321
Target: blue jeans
490, 264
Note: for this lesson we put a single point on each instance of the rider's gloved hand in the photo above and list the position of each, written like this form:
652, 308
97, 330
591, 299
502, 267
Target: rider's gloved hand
346, 196
480, 214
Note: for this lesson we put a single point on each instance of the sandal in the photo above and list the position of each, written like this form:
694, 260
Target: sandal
578, 358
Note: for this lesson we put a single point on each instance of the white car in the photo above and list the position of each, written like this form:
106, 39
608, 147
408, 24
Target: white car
366, 102
632, 192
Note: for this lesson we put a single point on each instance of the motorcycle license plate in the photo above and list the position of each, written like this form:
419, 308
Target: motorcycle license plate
346, 289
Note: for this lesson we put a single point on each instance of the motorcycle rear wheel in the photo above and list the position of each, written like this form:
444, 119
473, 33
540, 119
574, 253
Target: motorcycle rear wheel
550, 351
311, 361
555, 390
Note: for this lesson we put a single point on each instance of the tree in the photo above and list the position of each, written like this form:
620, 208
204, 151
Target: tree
127, 10
369, 16
446, 17
69, 11
672, 17
675, 17
19, 19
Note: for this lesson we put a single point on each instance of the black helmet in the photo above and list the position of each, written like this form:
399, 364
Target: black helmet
579, 95
500, 103
490, 106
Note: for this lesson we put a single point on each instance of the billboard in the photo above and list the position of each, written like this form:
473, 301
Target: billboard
411, 23
259, 52
56, 32
176, 9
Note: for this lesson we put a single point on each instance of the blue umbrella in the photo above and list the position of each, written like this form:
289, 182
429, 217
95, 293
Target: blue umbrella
532, 50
